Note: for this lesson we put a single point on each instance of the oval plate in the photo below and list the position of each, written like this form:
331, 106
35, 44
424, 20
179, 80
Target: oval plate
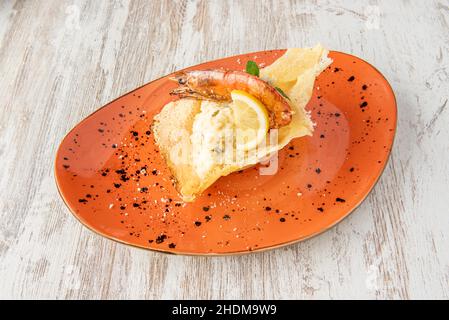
113, 179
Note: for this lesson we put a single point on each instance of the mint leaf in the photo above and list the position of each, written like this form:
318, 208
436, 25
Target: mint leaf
282, 93
252, 68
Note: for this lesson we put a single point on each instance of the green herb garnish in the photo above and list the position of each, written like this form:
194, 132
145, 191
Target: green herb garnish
252, 68
282, 93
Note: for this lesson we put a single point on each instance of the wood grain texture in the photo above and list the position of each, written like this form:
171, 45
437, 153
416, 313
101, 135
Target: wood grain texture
61, 60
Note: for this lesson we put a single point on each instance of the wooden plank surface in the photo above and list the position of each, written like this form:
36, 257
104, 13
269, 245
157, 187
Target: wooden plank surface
61, 60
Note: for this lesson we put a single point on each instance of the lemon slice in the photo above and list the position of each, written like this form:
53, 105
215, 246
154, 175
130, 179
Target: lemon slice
250, 118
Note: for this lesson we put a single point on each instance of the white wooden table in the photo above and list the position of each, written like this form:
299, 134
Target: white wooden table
61, 60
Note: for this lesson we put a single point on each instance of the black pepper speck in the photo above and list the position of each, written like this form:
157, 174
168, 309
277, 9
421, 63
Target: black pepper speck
161, 238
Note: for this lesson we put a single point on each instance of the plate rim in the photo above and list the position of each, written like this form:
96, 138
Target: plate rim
240, 252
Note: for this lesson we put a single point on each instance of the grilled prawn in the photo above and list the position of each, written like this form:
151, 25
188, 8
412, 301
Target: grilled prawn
218, 84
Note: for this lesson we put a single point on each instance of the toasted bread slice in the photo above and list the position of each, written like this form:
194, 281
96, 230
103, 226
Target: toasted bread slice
172, 128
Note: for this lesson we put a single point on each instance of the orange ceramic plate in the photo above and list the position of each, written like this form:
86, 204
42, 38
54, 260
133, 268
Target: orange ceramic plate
114, 180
